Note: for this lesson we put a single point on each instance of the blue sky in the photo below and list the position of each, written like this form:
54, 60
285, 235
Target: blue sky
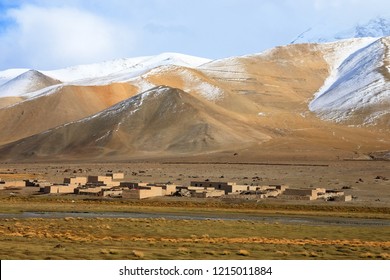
50, 34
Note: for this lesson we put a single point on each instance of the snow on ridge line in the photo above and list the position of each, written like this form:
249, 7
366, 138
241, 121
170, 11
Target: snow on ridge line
344, 50
117, 107
124, 66
358, 85
136, 100
119, 70
191, 82
38, 93
9, 74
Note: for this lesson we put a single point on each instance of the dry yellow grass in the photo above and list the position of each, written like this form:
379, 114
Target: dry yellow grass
138, 254
243, 253
109, 238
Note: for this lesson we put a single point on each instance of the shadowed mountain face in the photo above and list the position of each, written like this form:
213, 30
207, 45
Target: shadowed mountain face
63, 105
307, 101
162, 120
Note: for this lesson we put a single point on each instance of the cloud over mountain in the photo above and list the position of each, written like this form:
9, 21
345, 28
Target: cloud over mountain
52, 36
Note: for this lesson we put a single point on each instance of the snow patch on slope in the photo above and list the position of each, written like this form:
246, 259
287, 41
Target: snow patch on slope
10, 74
22, 84
191, 82
123, 69
134, 102
336, 54
321, 33
119, 70
355, 84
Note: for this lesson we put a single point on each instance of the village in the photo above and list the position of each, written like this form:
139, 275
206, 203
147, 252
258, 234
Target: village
114, 185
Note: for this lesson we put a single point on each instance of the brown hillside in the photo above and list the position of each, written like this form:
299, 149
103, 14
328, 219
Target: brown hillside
160, 121
8, 101
68, 104
250, 108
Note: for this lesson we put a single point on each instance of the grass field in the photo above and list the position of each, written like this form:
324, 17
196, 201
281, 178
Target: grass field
121, 238
129, 238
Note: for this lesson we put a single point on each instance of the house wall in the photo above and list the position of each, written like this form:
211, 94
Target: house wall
300, 192
116, 176
100, 179
210, 193
300, 197
169, 189
238, 188
142, 193
76, 180
12, 184
216, 185
112, 192
130, 185
94, 190
343, 198
228, 187
59, 189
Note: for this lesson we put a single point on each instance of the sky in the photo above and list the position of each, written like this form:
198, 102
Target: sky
52, 34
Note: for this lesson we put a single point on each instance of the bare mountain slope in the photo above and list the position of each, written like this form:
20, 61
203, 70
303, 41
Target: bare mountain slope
64, 105
160, 121
301, 101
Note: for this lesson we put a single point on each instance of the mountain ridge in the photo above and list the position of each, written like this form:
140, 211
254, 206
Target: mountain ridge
287, 102
375, 28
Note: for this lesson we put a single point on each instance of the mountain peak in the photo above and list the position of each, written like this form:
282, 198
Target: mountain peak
376, 28
29, 81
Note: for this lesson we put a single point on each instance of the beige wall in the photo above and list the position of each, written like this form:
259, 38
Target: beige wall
169, 189
343, 198
300, 192
59, 189
205, 194
112, 192
116, 176
143, 193
100, 179
12, 184
75, 180
94, 190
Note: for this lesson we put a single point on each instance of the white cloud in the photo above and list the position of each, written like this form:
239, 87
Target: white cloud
56, 33
49, 37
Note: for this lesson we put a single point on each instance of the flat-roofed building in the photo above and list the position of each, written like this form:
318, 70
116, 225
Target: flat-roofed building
106, 180
142, 193
207, 193
116, 175
59, 189
80, 181
12, 184
228, 187
92, 190
112, 193
100, 179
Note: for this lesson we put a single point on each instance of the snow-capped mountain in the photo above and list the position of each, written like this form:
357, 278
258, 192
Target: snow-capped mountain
26, 82
305, 99
9, 74
123, 68
358, 88
376, 28
16, 81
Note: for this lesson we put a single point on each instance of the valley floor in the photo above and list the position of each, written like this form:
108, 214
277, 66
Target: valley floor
227, 229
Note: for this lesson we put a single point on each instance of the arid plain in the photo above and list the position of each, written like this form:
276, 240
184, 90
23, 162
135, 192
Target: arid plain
192, 228
303, 115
